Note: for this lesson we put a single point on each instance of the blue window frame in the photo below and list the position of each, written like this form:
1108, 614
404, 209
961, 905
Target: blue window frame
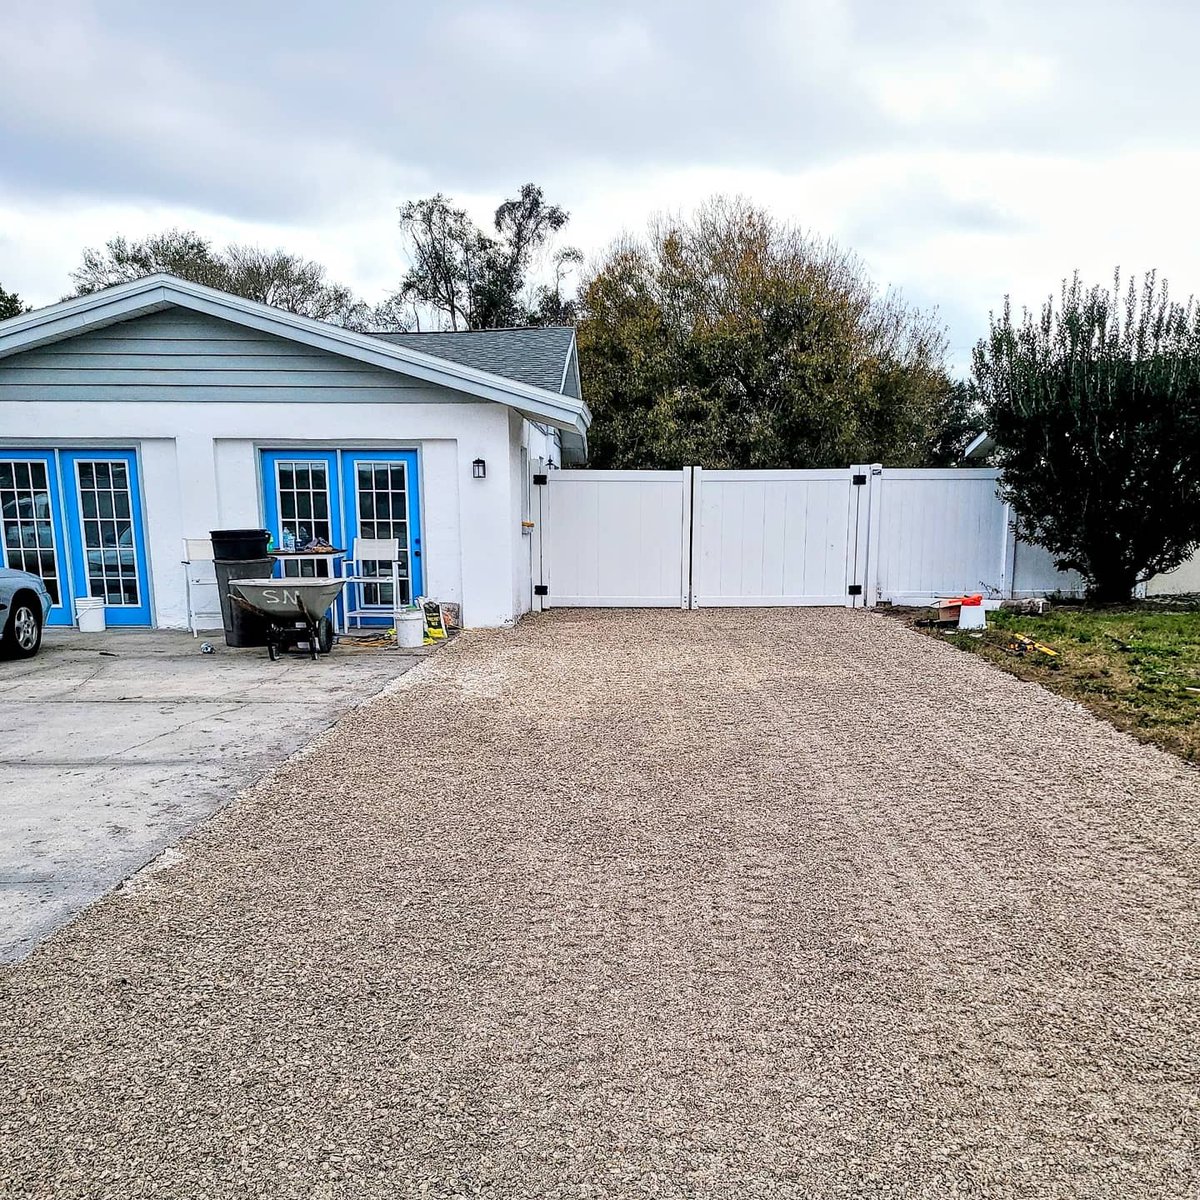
32, 537
104, 516
302, 493
346, 494
74, 517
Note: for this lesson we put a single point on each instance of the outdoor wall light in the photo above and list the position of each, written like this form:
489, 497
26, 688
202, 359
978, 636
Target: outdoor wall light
479, 469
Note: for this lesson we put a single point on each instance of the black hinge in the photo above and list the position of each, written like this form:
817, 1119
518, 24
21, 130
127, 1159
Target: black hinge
855, 589
858, 480
540, 589
539, 481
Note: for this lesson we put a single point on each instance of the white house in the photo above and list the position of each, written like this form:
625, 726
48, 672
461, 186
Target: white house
158, 410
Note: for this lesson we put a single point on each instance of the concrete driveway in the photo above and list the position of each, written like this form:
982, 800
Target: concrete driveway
114, 746
645, 904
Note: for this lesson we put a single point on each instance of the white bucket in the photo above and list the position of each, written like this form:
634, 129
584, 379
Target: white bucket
410, 628
89, 616
972, 616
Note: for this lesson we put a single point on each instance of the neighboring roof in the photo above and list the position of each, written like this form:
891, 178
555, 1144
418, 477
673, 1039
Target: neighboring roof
156, 292
538, 356
981, 447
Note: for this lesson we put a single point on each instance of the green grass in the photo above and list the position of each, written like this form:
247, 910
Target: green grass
1138, 667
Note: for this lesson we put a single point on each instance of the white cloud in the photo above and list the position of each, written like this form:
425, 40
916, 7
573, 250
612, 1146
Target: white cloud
974, 87
964, 149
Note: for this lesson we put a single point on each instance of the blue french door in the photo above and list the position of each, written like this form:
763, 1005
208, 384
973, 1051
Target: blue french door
107, 544
31, 522
74, 518
342, 495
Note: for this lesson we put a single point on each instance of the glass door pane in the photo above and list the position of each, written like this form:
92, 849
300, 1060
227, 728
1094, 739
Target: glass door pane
27, 522
304, 511
105, 537
381, 494
106, 522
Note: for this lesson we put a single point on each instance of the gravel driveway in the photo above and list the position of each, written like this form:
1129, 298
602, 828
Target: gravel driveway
633, 904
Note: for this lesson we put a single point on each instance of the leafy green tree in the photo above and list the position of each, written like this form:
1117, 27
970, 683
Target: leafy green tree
477, 280
10, 305
269, 276
1095, 409
733, 340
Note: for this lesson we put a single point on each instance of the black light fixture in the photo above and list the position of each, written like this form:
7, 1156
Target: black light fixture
479, 469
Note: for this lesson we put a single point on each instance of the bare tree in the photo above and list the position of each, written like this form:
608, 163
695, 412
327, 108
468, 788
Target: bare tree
272, 277
476, 280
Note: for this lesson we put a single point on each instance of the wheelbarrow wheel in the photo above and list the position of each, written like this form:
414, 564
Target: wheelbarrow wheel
325, 636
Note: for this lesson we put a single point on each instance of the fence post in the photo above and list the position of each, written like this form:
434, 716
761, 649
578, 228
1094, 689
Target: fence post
856, 515
1008, 554
692, 481
870, 568
545, 504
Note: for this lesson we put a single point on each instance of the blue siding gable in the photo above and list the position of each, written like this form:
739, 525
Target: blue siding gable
180, 355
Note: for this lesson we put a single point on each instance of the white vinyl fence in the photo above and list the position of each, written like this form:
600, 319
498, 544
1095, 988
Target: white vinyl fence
853, 536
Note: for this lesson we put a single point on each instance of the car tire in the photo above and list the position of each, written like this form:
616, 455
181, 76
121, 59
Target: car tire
23, 629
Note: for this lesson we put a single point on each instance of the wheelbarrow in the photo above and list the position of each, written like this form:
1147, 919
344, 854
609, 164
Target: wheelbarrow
296, 610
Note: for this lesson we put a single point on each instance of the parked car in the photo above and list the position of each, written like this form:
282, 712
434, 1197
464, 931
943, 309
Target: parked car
24, 607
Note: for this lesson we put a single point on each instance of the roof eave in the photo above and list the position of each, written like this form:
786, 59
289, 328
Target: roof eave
156, 292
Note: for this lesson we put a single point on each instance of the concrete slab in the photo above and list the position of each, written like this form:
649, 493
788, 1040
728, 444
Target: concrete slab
114, 745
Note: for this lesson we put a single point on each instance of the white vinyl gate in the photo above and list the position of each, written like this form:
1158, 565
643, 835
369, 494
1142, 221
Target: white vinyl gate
854, 536
773, 537
616, 539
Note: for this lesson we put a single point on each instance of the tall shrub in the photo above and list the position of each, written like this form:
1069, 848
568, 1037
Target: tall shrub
1095, 409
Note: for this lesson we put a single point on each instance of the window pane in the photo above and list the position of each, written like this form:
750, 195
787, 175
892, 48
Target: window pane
382, 505
26, 529
105, 506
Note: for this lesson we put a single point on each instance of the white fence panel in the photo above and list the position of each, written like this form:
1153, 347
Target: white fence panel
1034, 574
618, 539
940, 532
772, 537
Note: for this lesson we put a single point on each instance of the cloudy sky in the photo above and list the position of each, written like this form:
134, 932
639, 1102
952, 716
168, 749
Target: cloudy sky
966, 150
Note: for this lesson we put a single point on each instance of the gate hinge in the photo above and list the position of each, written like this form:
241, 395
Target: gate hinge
540, 589
855, 589
539, 481
858, 480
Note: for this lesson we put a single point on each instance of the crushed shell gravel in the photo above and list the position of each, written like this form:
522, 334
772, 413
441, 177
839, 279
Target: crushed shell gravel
645, 904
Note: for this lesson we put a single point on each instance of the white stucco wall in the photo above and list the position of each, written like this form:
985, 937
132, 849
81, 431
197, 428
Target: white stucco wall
200, 470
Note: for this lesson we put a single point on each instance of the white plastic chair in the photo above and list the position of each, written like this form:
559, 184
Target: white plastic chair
371, 550
195, 551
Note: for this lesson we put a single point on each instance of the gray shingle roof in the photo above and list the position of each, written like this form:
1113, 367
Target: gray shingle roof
536, 356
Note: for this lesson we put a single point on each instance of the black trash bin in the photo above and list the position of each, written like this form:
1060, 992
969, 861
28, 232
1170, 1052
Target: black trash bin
242, 627
239, 545
241, 554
